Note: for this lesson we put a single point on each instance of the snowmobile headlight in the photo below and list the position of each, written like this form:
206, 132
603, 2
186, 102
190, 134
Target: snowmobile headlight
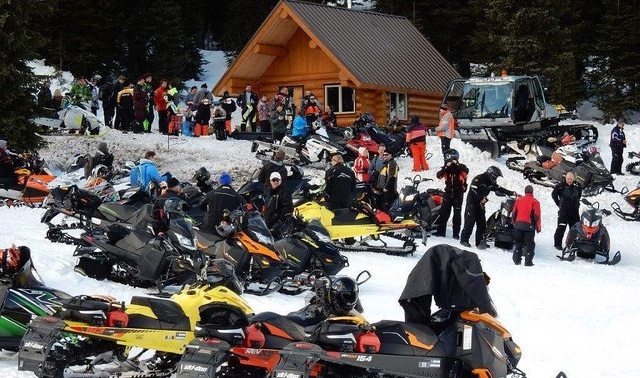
408, 197
505, 212
188, 243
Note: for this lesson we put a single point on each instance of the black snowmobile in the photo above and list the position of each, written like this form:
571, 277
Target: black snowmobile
589, 238
547, 165
632, 198
393, 141
149, 251
423, 207
23, 296
266, 265
500, 225
634, 166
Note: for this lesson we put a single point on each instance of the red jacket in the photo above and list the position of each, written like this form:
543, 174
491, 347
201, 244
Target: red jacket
526, 213
158, 98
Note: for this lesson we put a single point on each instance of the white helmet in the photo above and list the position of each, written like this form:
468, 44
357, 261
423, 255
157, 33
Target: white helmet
100, 170
316, 185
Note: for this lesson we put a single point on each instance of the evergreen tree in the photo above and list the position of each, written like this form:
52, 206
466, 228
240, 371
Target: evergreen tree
615, 76
18, 43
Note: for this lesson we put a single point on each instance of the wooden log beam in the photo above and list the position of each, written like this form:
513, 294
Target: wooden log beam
271, 50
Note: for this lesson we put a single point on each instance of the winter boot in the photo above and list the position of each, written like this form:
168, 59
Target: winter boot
517, 257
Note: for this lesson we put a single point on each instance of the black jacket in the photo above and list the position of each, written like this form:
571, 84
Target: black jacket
229, 107
481, 186
216, 202
340, 185
453, 277
455, 178
242, 100
270, 167
279, 206
567, 197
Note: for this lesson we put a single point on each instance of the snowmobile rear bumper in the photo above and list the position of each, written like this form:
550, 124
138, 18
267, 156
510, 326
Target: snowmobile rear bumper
37, 344
202, 359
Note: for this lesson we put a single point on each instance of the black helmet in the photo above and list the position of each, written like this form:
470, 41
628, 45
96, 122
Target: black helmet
174, 206
201, 175
451, 154
222, 272
343, 295
494, 172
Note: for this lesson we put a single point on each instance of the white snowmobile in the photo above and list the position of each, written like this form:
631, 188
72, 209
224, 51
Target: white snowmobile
73, 118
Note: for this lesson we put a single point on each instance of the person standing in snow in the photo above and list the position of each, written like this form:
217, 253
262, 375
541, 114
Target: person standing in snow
567, 196
80, 92
248, 102
147, 88
161, 106
201, 94
140, 105
526, 222
125, 115
416, 134
229, 107
446, 127
454, 175
263, 115
617, 143
278, 122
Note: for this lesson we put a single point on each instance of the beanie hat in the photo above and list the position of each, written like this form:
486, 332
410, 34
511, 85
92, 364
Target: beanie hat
204, 85
3, 143
172, 182
102, 147
225, 179
415, 120
528, 189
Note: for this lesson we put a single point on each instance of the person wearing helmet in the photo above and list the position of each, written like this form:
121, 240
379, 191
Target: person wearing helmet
341, 182
202, 177
223, 198
454, 175
274, 165
474, 213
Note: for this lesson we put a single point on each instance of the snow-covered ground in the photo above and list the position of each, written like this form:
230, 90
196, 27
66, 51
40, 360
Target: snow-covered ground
578, 317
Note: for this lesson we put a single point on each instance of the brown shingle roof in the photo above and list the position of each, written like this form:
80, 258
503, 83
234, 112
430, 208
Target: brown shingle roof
378, 49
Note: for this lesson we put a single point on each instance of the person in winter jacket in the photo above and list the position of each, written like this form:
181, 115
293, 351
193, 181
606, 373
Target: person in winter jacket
146, 171
147, 88
274, 165
446, 127
8, 177
45, 98
125, 115
279, 205
248, 102
223, 198
278, 122
263, 115
202, 93
361, 165
341, 182
299, 129
386, 187
454, 175
203, 115
376, 164
111, 106
617, 143
526, 222
190, 100
229, 107
96, 82
474, 213
161, 106
567, 196
140, 105
416, 134
312, 110
80, 92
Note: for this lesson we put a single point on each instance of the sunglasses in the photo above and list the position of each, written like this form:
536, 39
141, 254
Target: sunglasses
275, 179
386, 154
164, 187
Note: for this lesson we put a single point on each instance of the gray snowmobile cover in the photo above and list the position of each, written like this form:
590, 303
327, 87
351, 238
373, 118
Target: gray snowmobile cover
453, 277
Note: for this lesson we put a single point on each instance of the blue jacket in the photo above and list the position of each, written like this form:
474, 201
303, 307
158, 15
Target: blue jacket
145, 172
299, 127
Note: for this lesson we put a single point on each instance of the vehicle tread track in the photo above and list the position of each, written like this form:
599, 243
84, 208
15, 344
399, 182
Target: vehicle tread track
408, 248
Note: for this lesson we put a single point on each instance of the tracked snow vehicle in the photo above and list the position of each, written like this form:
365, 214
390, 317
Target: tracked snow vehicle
491, 111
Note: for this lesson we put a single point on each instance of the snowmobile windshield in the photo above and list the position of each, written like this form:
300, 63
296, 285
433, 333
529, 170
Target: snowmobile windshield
318, 231
591, 219
486, 100
28, 276
407, 194
257, 230
181, 231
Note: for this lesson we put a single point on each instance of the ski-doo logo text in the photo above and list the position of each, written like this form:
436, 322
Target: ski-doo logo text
33, 345
287, 374
197, 368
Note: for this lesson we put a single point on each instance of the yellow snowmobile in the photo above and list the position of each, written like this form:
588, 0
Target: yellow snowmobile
345, 225
98, 337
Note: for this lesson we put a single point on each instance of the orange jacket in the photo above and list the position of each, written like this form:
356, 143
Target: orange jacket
447, 124
158, 98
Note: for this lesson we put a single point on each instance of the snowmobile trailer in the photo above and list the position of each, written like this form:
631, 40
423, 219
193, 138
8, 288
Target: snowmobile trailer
491, 111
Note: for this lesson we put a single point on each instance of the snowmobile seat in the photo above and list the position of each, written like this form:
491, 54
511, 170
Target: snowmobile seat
87, 309
168, 314
336, 334
278, 330
348, 216
208, 238
223, 322
401, 338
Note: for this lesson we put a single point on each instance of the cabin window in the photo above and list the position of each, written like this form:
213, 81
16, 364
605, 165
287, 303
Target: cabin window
342, 99
398, 105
